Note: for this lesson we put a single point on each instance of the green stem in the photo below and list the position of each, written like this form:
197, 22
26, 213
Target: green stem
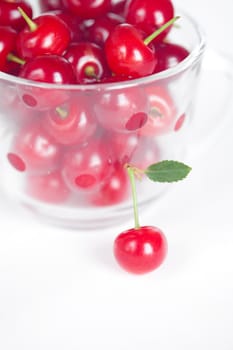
32, 25
134, 194
13, 58
62, 112
152, 36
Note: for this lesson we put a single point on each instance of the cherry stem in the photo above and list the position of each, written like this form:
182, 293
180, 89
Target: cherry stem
62, 112
13, 58
32, 25
152, 36
131, 174
90, 72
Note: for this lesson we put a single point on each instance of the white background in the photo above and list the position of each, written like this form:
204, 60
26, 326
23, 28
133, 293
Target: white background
62, 289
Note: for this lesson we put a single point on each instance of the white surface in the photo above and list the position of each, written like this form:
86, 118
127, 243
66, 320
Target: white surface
62, 289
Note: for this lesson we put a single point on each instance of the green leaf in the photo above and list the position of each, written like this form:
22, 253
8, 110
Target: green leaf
167, 171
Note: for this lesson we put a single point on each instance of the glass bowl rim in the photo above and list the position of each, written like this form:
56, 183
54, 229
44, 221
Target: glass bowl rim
194, 55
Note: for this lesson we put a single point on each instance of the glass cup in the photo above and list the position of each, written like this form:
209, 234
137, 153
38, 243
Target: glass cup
64, 148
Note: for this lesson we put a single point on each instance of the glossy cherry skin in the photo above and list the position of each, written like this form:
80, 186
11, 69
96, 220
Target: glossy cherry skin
10, 16
140, 250
85, 168
72, 122
73, 23
49, 188
150, 15
122, 110
114, 190
162, 111
99, 31
169, 55
50, 5
118, 6
34, 148
88, 8
127, 54
88, 62
123, 145
7, 45
51, 36
46, 69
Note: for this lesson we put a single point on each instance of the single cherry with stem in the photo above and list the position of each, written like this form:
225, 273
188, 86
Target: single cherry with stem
128, 53
10, 16
46, 34
142, 249
150, 15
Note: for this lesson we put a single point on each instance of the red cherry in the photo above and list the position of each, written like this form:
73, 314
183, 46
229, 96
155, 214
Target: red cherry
85, 168
150, 15
7, 45
72, 22
71, 123
114, 190
169, 55
122, 110
162, 111
46, 34
88, 8
88, 62
118, 6
34, 150
99, 31
123, 145
49, 188
46, 69
10, 16
127, 54
50, 5
140, 250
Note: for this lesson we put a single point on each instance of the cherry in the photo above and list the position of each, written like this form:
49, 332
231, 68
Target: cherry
33, 150
88, 8
114, 190
122, 110
88, 62
169, 55
86, 167
150, 15
73, 23
47, 69
72, 122
128, 53
140, 249
7, 45
161, 113
50, 5
123, 145
49, 188
10, 16
118, 6
46, 34
99, 31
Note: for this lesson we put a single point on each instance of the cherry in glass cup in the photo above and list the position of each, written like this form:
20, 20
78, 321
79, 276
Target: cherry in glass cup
64, 148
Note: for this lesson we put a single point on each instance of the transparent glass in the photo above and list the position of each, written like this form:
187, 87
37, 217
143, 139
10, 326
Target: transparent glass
71, 172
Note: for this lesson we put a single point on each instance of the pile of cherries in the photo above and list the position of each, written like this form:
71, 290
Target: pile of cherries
92, 41
73, 145
62, 134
